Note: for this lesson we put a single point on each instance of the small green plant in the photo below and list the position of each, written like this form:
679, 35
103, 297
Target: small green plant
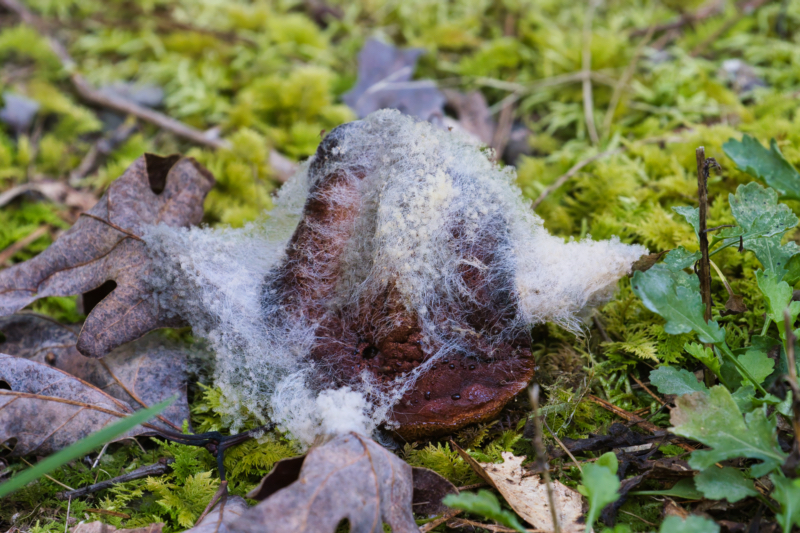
600, 485
484, 504
736, 418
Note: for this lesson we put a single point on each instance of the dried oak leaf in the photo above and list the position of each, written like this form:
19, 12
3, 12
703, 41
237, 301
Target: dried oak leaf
526, 493
140, 374
350, 477
105, 244
47, 409
384, 82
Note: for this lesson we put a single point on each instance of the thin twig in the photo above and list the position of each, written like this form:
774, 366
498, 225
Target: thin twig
447, 515
57, 482
221, 495
561, 180
619, 88
586, 65
282, 166
742, 11
503, 130
647, 390
792, 362
705, 11
23, 243
102, 149
563, 446
156, 469
704, 267
541, 456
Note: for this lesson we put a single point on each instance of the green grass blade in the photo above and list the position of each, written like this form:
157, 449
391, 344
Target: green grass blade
80, 448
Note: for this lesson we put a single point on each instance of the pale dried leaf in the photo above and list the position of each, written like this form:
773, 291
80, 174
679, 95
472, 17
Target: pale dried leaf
350, 477
48, 409
526, 493
106, 245
141, 374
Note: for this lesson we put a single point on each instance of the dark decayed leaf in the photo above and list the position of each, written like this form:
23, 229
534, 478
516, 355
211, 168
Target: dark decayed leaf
350, 477
429, 490
618, 436
140, 374
384, 82
220, 517
48, 409
473, 114
105, 245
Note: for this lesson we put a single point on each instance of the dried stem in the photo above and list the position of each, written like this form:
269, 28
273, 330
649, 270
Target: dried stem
704, 267
586, 65
792, 361
541, 455
156, 469
619, 88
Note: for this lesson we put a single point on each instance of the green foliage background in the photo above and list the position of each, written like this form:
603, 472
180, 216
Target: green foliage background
268, 76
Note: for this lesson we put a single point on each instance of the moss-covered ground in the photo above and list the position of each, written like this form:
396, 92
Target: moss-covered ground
270, 74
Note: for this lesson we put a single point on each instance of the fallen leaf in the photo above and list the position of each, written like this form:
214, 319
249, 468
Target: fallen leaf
47, 409
526, 493
105, 244
217, 521
429, 490
619, 436
140, 374
350, 477
284, 473
384, 81
100, 527
473, 114
18, 111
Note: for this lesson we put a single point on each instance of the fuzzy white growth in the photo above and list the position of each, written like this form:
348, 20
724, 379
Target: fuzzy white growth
427, 205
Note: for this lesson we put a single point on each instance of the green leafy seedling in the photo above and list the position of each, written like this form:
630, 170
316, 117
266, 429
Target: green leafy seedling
767, 165
684, 488
484, 504
678, 381
724, 484
81, 448
714, 419
600, 485
787, 493
692, 524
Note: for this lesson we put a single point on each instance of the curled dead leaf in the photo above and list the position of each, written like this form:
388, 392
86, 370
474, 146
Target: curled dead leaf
105, 244
350, 477
140, 374
48, 409
429, 490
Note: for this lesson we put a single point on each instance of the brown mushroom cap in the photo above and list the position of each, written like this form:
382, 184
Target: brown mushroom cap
493, 362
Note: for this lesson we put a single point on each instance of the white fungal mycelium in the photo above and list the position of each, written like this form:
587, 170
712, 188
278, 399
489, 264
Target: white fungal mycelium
423, 198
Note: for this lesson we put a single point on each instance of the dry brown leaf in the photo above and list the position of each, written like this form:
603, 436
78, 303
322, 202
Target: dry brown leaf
527, 494
221, 516
100, 527
48, 409
473, 113
105, 244
350, 477
141, 374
